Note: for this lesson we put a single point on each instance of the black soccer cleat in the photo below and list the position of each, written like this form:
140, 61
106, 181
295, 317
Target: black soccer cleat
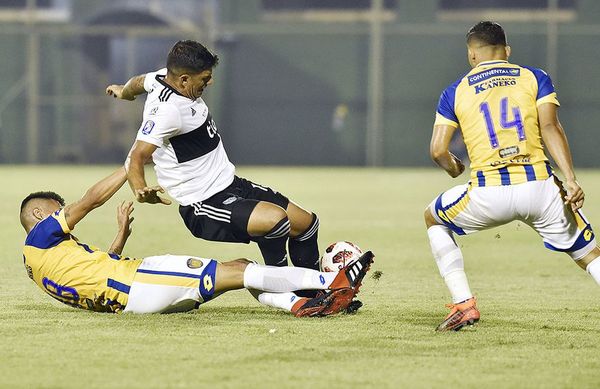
353, 307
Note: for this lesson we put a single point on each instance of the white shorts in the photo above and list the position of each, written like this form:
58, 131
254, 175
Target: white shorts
466, 209
171, 283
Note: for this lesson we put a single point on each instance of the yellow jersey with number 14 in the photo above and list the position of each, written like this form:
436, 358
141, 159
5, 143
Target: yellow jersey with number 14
73, 272
495, 106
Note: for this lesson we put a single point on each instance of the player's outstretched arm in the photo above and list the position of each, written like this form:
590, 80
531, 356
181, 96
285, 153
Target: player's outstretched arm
131, 89
440, 153
95, 197
556, 142
124, 220
140, 153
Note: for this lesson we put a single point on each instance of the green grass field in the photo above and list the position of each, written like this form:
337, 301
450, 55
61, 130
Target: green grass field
540, 323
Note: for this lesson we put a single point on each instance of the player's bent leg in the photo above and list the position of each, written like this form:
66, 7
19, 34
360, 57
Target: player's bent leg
303, 243
269, 226
591, 263
449, 260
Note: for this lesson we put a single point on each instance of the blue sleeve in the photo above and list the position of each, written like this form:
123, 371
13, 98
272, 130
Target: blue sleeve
544, 82
446, 103
46, 234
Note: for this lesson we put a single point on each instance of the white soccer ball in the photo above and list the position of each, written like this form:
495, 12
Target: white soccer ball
338, 255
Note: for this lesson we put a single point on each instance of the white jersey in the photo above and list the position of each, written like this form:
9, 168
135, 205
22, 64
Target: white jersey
190, 162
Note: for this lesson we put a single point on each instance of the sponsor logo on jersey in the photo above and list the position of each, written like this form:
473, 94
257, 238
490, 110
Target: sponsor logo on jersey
193, 111
194, 263
494, 83
494, 72
230, 200
148, 126
153, 111
508, 151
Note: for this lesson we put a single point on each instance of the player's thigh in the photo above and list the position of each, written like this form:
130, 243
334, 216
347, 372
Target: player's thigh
222, 218
171, 283
561, 228
300, 218
254, 191
466, 209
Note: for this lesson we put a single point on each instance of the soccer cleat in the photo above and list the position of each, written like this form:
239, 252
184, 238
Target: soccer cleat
353, 307
461, 314
351, 275
328, 303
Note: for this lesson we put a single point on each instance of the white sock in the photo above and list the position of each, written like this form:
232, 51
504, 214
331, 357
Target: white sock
450, 262
279, 300
594, 269
285, 279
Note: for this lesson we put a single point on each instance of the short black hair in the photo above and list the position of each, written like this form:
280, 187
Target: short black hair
488, 32
43, 195
190, 56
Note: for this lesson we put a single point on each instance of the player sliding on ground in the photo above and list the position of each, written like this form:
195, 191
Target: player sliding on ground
85, 277
504, 111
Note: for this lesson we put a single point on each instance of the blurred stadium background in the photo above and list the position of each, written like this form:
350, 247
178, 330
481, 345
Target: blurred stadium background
300, 82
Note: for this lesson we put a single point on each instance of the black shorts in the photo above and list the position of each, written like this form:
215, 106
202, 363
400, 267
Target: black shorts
224, 216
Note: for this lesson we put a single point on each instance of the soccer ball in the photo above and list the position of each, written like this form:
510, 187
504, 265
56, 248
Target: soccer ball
338, 255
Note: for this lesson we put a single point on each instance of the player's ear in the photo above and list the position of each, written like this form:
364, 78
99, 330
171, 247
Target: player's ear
38, 213
471, 56
508, 51
184, 79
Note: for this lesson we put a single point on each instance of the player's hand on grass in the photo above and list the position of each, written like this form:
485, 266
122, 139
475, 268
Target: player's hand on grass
575, 195
116, 91
150, 195
124, 218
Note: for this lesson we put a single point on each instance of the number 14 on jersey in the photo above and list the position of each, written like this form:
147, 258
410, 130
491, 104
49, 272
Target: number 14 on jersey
505, 123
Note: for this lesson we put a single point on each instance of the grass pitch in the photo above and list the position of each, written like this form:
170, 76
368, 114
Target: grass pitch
540, 324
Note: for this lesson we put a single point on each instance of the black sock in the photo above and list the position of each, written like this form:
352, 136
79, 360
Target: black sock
272, 245
304, 248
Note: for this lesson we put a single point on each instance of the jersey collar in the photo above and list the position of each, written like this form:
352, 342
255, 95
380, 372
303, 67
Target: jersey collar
493, 62
162, 81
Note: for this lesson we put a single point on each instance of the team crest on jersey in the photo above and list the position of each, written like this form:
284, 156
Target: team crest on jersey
153, 111
194, 263
148, 126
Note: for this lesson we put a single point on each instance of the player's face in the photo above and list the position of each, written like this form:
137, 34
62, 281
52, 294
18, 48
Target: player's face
196, 83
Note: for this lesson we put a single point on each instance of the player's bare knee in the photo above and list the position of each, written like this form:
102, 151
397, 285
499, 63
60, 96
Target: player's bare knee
429, 219
265, 218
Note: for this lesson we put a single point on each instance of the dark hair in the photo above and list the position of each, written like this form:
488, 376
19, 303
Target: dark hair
190, 56
487, 32
43, 195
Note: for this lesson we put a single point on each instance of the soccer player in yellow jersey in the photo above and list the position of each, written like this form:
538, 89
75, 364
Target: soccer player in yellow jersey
507, 115
86, 277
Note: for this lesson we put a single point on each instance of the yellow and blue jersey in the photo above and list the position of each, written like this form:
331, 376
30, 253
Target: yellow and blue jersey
496, 107
73, 272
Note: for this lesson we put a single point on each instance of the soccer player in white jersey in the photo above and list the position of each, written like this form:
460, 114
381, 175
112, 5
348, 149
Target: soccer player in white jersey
90, 278
181, 137
507, 114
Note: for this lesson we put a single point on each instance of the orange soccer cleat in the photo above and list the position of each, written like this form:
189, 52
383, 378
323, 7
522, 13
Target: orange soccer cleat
351, 275
461, 314
325, 304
